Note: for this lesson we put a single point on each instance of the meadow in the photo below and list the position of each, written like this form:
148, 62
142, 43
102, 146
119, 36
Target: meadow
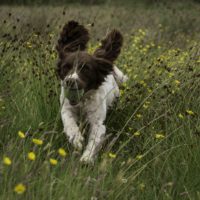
152, 149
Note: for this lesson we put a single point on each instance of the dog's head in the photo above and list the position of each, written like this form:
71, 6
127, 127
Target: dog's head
78, 69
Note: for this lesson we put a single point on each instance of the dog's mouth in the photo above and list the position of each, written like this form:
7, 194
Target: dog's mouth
74, 95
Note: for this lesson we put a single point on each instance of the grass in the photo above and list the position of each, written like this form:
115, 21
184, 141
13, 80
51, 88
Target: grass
153, 150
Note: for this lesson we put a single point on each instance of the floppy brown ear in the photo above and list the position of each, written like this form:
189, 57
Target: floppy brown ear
110, 46
73, 37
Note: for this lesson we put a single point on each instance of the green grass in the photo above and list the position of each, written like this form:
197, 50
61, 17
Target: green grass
161, 57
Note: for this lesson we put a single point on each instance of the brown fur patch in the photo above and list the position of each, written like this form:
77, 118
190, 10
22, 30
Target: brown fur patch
110, 46
73, 37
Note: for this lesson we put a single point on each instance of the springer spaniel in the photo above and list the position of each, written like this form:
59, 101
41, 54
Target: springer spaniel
88, 83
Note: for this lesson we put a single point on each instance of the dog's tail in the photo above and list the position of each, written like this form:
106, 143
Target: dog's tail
73, 37
110, 46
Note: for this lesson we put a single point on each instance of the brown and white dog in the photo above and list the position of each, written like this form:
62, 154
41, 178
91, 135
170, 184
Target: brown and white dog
88, 82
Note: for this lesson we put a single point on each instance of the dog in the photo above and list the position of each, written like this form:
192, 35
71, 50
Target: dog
89, 82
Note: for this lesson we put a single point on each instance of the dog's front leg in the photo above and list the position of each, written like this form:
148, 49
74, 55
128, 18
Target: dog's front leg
70, 126
97, 134
96, 138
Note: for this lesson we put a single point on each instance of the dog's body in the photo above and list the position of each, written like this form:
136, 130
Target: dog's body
96, 76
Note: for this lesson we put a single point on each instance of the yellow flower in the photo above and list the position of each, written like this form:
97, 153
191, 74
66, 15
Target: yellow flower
177, 82
20, 188
143, 83
53, 161
29, 45
112, 155
139, 157
62, 152
145, 106
170, 74
139, 116
31, 156
159, 136
137, 134
141, 186
189, 112
7, 160
37, 141
21, 134
180, 116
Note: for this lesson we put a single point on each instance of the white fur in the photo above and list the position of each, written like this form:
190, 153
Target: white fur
94, 104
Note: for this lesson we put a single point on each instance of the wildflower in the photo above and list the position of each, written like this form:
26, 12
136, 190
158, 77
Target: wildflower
145, 106
21, 134
159, 136
29, 45
37, 141
170, 74
189, 112
177, 82
20, 188
112, 155
139, 116
137, 134
180, 116
53, 161
139, 156
143, 83
31, 156
62, 152
7, 160
141, 186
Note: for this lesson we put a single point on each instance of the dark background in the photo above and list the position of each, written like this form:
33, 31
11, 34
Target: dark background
88, 2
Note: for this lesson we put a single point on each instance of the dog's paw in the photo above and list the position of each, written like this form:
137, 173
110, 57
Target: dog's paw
87, 158
77, 141
124, 78
75, 138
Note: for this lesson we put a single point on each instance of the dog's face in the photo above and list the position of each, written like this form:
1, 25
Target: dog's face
79, 70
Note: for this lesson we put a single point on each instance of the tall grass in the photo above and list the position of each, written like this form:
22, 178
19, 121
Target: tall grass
153, 148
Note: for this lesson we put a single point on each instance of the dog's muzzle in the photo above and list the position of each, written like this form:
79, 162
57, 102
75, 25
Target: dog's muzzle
74, 95
74, 89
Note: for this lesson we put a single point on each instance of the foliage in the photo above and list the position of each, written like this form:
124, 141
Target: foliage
153, 149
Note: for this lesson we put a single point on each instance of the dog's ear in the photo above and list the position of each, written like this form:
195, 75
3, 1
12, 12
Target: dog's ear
110, 46
73, 37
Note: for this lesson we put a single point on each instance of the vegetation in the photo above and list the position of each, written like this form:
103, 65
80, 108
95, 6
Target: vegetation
154, 130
